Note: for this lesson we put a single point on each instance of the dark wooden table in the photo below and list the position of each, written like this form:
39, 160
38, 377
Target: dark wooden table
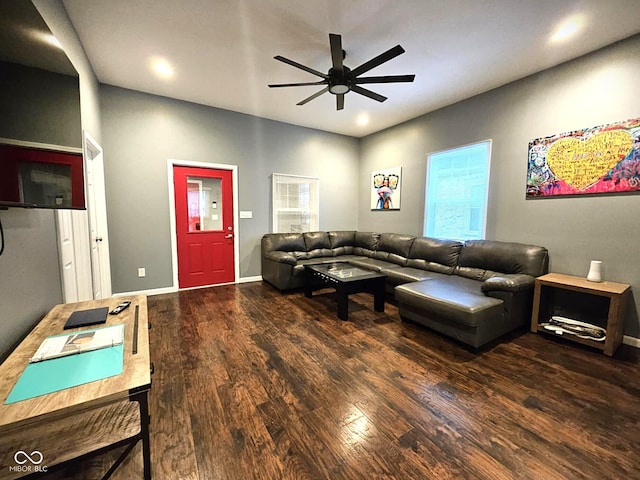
346, 279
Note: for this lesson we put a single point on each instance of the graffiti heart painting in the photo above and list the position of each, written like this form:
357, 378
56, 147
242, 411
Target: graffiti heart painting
604, 159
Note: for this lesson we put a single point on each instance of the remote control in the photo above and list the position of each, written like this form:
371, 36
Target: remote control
120, 308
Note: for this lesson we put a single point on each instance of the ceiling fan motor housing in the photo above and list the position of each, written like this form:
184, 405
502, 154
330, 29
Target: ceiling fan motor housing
339, 81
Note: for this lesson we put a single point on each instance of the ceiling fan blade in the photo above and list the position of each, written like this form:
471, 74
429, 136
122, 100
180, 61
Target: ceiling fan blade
379, 60
336, 51
368, 93
317, 94
300, 66
384, 79
321, 82
340, 102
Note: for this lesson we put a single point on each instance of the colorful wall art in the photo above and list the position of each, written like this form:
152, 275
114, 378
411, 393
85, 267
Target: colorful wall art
385, 189
604, 159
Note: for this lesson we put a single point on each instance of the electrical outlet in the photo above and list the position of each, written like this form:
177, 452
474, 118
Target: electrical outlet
141, 272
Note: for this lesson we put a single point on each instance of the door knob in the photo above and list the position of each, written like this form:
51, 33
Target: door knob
229, 236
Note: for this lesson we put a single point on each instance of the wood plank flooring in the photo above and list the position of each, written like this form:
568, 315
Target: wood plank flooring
251, 383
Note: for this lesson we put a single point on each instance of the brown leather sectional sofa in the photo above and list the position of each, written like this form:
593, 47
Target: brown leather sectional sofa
473, 291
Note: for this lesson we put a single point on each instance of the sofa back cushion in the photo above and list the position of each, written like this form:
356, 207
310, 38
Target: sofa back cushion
394, 247
342, 242
318, 244
481, 259
285, 242
434, 254
365, 243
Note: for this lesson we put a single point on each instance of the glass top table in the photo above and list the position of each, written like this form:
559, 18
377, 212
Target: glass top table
346, 279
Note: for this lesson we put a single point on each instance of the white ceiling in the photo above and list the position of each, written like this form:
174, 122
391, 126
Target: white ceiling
222, 50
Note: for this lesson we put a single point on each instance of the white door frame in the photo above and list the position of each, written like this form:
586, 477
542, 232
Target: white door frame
172, 213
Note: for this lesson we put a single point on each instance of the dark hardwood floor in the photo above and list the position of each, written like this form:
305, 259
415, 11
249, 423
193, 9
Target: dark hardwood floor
250, 383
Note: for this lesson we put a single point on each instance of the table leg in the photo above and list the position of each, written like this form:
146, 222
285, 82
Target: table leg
308, 292
343, 303
378, 296
143, 401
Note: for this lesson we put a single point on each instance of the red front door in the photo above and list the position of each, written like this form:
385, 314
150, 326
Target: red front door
204, 226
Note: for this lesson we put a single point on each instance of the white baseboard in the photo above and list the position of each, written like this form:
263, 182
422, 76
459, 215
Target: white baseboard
163, 290
153, 291
257, 278
632, 341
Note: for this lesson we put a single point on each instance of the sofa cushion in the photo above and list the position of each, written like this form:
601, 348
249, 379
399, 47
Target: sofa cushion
286, 242
342, 242
394, 247
342, 238
372, 263
298, 268
316, 240
434, 254
502, 257
398, 274
365, 243
318, 244
455, 298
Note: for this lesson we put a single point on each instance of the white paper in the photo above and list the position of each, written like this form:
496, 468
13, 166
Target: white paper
78, 342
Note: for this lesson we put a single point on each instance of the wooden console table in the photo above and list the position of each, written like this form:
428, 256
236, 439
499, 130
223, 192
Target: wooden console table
618, 295
47, 431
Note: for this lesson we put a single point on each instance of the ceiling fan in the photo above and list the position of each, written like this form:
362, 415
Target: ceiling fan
340, 79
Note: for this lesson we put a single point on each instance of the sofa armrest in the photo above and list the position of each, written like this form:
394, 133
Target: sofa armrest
514, 282
281, 257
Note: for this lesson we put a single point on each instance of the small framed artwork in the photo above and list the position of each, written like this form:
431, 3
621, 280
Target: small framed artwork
385, 189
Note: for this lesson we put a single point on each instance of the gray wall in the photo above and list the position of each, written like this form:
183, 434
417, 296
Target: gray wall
44, 107
597, 89
29, 272
56, 18
30, 282
142, 131
39, 106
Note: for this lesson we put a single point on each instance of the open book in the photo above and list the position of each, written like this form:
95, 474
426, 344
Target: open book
78, 342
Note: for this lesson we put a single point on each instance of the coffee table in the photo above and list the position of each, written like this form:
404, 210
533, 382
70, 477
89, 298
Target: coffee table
346, 279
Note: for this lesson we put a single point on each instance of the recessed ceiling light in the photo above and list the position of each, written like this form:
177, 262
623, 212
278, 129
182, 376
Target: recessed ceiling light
363, 119
161, 67
566, 30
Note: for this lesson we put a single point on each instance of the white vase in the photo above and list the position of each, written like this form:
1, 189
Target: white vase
595, 271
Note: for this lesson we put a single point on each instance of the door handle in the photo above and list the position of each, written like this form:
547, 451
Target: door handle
229, 236
98, 239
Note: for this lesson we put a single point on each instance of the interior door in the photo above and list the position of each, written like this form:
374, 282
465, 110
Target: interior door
204, 226
97, 209
64, 224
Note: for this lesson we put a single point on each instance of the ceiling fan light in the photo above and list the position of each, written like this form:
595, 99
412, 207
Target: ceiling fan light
339, 89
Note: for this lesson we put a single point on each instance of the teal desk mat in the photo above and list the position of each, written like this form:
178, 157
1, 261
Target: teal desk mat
57, 374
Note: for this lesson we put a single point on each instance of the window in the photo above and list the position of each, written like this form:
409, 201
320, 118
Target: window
295, 204
457, 190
